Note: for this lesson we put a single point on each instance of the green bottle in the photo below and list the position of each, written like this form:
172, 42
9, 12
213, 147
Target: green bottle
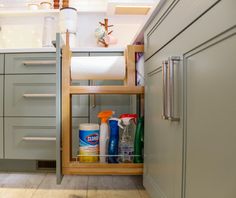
138, 141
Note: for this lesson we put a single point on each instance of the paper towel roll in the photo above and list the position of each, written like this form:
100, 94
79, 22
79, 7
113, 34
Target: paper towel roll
98, 68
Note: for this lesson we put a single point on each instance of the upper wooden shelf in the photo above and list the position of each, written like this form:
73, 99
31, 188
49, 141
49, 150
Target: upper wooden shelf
106, 90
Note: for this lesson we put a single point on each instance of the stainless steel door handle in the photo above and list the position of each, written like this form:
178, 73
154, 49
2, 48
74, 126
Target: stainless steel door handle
27, 138
39, 95
172, 63
42, 63
164, 90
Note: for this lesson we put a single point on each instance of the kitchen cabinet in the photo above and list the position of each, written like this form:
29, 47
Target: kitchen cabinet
1, 137
1, 95
29, 84
198, 150
210, 110
30, 63
30, 138
30, 95
163, 138
1, 64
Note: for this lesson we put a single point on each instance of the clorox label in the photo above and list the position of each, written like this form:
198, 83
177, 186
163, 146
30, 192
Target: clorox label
92, 139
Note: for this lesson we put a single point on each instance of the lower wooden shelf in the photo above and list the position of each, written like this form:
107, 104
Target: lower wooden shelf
77, 168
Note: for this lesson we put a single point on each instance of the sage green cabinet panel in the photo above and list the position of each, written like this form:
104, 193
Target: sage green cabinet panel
166, 27
1, 95
1, 137
30, 138
1, 63
210, 111
30, 63
163, 140
30, 95
34, 95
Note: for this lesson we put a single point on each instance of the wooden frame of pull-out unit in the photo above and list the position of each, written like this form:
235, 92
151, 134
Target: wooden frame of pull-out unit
70, 165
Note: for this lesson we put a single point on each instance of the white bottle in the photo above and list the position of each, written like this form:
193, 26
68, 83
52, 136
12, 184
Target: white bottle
104, 134
103, 141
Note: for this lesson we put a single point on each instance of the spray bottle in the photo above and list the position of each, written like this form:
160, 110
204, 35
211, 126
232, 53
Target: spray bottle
104, 134
126, 148
114, 124
138, 141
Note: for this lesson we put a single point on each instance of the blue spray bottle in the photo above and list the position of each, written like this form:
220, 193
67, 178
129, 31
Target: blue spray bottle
113, 146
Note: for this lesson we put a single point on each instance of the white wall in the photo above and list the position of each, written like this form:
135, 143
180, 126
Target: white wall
26, 31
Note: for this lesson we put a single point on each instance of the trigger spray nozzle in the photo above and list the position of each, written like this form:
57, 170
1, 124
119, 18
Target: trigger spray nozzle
119, 122
105, 115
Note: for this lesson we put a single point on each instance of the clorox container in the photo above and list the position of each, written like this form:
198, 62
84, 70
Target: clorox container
88, 142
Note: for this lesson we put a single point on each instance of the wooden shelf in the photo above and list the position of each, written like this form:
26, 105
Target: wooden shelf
106, 89
103, 169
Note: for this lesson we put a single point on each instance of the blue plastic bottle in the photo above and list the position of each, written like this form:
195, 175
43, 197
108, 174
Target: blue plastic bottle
114, 124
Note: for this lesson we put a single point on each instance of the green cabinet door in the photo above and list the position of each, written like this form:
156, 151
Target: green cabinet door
163, 138
1, 137
210, 111
1, 63
1, 95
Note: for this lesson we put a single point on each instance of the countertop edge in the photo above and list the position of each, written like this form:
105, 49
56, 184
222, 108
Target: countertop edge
139, 37
48, 50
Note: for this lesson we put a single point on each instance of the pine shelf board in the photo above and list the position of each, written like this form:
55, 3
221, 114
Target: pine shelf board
106, 90
103, 169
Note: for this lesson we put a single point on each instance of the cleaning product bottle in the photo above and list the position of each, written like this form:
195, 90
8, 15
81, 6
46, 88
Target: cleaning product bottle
126, 147
138, 141
104, 134
114, 124
88, 142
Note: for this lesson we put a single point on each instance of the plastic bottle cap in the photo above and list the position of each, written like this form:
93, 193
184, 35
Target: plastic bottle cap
88, 126
104, 115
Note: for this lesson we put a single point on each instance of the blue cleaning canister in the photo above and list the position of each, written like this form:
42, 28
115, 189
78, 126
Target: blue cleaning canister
114, 124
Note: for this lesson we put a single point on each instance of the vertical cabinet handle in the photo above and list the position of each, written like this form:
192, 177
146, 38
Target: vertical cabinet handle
164, 90
172, 64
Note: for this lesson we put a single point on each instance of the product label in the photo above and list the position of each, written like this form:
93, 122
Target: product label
89, 138
88, 145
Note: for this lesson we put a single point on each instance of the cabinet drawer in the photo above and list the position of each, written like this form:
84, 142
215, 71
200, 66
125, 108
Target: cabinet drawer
30, 95
34, 95
1, 63
30, 138
1, 95
1, 137
30, 63
173, 21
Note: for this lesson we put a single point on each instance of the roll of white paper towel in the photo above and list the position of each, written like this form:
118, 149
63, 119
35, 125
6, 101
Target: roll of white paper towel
98, 68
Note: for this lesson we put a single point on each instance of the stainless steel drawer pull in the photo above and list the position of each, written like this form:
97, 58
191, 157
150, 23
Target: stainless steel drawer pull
39, 138
173, 88
164, 90
44, 63
39, 95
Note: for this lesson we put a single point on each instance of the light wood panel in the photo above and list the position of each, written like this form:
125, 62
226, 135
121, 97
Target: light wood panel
106, 90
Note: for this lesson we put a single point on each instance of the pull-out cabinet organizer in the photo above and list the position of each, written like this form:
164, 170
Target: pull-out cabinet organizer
70, 164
